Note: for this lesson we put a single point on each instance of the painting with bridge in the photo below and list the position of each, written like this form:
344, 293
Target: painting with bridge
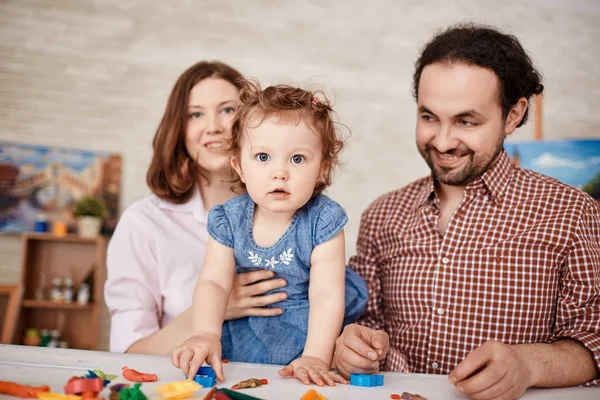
44, 182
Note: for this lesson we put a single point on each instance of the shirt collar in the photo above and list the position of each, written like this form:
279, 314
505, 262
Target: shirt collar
495, 179
428, 192
194, 206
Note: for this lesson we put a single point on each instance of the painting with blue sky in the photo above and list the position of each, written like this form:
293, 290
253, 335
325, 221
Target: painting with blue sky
45, 181
574, 162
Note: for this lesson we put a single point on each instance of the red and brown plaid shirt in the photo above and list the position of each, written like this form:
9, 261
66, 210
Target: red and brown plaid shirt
519, 262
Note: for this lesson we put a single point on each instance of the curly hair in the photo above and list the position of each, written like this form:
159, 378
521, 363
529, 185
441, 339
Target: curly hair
173, 173
289, 102
485, 47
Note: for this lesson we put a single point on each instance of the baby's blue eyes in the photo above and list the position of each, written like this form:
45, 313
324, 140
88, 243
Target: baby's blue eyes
298, 159
262, 157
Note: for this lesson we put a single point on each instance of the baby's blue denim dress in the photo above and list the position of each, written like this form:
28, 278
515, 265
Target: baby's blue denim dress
280, 339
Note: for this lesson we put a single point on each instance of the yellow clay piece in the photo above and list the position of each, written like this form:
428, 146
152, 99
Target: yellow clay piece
178, 390
58, 396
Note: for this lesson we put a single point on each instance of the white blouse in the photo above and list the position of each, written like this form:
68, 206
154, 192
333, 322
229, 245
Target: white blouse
153, 260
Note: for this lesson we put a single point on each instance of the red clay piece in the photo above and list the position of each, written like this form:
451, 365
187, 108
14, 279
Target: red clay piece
77, 385
23, 391
209, 395
136, 376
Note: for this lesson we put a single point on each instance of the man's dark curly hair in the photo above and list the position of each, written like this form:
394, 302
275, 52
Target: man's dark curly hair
485, 47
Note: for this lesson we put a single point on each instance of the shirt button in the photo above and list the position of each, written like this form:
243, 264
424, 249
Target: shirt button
440, 311
435, 365
486, 197
445, 260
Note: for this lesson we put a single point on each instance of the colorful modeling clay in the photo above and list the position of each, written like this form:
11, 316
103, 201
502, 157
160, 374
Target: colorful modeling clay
410, 396
96, 373
115, 390
136, 376
312, 394
178, 390
23, 391
210, 393
249, 383
89, 386
233, 395
133, 393
58, 396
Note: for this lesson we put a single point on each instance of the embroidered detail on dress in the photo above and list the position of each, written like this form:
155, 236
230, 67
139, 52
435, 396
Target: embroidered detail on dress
286, 257
271, 263
255, 259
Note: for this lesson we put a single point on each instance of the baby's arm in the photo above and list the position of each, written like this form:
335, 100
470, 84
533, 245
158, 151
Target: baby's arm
326, 297
208, 312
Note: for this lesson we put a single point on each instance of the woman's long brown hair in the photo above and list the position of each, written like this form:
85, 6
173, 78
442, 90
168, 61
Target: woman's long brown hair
173, 174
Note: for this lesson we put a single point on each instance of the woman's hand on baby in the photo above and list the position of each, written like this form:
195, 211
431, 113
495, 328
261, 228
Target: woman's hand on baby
247, 295
312, 369
197, 349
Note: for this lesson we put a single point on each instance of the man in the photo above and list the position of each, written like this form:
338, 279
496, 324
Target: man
483, 271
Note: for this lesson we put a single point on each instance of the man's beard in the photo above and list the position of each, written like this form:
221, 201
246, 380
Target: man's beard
475, 167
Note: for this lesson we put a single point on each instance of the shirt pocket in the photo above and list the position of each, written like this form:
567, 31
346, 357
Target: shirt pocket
520, 284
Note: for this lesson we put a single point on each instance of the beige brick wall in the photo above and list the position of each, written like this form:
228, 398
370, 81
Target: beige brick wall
96, 74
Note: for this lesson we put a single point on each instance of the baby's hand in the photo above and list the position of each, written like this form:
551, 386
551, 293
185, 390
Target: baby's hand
197, 349
312, 369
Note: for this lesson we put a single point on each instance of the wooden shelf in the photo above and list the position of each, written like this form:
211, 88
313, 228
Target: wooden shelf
65, 239
45, 257
55, 305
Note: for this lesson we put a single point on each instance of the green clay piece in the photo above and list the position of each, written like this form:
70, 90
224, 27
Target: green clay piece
133, 393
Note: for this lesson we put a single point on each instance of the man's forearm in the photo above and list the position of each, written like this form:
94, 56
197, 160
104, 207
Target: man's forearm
164, 341
563, 363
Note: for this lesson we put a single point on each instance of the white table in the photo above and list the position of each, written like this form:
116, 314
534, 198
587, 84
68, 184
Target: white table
42, 366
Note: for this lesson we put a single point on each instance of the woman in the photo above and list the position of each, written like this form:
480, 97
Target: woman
158, 246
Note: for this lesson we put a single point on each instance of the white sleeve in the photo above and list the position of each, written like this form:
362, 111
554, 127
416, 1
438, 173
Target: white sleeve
132, 291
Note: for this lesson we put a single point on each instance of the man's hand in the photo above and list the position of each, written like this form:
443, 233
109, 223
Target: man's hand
246, 297
493, 371
359, 349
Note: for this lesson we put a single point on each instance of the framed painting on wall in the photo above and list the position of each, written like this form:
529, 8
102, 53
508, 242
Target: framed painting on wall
39, 180
574, 162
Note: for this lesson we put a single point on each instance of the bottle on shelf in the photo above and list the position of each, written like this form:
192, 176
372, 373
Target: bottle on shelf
56, 293
68, 291
45, 337
41, 223
83, 295
54, 336
59, 228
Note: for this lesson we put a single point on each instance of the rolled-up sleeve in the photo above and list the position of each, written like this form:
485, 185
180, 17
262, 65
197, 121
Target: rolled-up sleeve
132, 291
578, 308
